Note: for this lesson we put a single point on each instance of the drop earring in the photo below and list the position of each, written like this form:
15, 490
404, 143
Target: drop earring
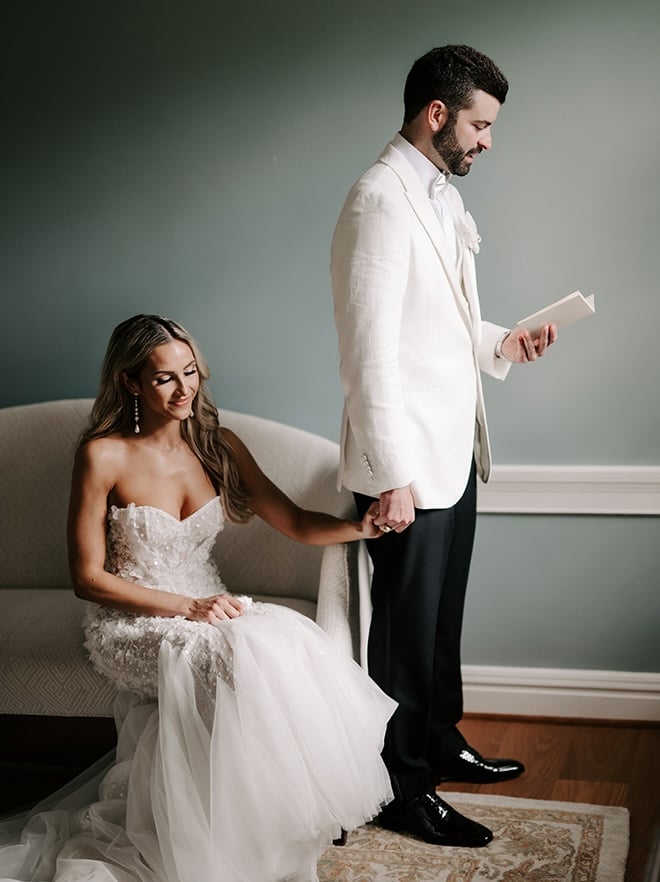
136, 413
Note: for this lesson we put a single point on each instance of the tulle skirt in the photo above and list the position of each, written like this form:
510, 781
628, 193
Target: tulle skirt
250, 787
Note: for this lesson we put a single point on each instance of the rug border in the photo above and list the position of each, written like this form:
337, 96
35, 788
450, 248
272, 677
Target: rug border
494, 799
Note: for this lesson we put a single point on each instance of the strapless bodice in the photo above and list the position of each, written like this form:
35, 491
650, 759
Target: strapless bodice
151, 547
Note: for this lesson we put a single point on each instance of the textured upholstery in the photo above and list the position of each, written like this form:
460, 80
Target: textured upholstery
43, 667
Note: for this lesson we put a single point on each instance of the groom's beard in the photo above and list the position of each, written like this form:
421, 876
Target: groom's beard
450, 151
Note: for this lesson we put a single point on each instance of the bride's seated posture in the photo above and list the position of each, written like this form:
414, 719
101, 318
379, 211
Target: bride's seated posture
246, 741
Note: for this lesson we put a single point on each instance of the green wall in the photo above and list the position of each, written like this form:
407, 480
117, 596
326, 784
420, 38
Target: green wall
191, 159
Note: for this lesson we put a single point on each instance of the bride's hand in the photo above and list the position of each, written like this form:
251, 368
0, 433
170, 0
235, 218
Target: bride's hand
369, 529
218, 608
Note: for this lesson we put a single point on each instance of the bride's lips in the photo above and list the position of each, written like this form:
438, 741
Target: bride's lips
182, 402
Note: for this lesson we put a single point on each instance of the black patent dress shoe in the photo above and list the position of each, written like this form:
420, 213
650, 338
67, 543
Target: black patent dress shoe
471, 768
430, 818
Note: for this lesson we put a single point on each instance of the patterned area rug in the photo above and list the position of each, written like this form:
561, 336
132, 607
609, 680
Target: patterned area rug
534, 841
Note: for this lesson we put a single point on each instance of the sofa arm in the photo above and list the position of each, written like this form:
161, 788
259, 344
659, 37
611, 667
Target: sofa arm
335, 605
344, 605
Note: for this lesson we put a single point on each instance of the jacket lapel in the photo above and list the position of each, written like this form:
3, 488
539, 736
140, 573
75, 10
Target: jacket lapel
421, 205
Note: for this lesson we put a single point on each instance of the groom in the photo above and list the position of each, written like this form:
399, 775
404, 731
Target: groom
412, 344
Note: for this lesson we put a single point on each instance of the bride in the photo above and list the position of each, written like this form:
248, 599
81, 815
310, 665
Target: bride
246, 742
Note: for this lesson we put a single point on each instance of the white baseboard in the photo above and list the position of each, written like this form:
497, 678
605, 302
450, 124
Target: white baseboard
605, 695
612, 490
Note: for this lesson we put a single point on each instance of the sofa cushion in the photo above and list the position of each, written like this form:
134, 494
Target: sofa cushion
45, 669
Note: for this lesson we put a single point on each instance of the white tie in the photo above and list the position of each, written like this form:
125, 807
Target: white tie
438, 186
444, 213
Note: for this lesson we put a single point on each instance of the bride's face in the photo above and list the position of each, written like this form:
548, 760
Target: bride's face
169, 381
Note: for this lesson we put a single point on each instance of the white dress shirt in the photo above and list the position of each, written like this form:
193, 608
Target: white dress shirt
435, 183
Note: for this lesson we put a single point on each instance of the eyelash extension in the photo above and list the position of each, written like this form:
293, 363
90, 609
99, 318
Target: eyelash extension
189, 373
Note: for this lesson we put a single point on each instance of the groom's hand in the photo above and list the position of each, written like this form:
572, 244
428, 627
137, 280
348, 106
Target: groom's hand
396, 510
520, 347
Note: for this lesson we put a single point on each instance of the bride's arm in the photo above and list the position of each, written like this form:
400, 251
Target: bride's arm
95, 465
267, 501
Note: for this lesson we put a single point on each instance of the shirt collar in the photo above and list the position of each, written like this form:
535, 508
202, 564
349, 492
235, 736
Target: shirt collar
433, 179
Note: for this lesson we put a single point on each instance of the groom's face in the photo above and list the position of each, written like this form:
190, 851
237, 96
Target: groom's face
466, 133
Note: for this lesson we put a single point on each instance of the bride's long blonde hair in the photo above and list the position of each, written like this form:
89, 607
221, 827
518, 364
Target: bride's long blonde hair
131, 344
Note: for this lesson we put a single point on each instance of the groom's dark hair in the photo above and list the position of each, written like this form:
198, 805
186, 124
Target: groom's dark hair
451, 74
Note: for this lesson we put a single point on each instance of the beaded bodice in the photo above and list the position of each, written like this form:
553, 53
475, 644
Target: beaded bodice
151, 547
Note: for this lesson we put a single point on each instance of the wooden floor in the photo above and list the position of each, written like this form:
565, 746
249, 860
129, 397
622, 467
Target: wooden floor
599, 763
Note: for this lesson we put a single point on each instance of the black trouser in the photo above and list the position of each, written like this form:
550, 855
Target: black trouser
418, 596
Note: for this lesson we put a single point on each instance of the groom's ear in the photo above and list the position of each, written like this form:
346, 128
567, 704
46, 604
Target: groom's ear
437, 115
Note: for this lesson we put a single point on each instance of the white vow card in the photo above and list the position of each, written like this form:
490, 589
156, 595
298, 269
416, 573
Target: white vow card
561, 313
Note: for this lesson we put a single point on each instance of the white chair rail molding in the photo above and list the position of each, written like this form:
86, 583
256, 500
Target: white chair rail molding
599, 695
579, 489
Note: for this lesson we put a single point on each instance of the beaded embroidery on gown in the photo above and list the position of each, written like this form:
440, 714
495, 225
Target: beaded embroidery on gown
244, 746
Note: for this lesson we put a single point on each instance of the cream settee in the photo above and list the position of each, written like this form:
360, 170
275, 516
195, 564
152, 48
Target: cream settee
43, 666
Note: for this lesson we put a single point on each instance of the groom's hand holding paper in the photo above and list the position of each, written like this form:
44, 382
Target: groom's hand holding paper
532, 335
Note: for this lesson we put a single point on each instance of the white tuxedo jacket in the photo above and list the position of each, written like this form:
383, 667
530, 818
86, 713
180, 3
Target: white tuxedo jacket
411, 340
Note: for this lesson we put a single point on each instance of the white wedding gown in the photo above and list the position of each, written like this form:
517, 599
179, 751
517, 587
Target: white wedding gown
244, 747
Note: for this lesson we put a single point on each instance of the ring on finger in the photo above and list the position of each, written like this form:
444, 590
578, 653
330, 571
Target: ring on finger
385, 528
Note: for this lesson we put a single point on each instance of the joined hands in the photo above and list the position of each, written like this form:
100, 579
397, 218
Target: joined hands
395, 511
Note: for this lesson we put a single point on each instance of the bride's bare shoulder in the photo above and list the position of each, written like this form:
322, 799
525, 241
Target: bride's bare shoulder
103, 453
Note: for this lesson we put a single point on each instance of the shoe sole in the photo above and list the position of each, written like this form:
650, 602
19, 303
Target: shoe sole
505, 776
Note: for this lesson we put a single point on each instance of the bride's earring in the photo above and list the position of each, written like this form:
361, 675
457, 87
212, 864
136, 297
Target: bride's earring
136, 413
